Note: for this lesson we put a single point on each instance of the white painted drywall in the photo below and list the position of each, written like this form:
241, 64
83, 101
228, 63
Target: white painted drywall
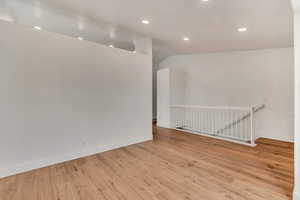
163, 98
170, 91
154, 91
61, 98
297, 104
243, 78
177, 86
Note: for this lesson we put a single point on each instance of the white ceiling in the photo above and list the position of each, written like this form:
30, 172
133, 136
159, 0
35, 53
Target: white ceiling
211, 26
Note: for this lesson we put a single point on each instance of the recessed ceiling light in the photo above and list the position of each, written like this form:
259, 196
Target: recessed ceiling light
242, 29
145, 21
111, 46
186, 39
205, 0
80, 38
37, 28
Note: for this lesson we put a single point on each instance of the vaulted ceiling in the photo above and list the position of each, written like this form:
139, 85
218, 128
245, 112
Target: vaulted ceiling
211, 25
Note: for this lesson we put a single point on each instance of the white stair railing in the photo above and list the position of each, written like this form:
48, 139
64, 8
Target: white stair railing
229, 123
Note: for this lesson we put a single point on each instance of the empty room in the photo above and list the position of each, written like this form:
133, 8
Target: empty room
150, 100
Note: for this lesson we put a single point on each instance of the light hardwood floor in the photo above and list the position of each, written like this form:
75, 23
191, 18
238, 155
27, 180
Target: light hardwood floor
175, 166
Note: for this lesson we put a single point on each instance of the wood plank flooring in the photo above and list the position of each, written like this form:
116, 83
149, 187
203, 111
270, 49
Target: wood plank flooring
175, 166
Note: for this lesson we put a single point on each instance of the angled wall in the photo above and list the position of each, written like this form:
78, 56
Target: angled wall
61, 98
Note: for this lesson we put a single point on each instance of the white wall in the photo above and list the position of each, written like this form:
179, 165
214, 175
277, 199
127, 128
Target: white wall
177, 86
163, 98
243, 78
297, 104
170, 91
61, 98
154, 91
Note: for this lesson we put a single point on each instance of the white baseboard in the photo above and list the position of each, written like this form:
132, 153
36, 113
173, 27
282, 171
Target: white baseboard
162, 125
216, 137
296, 196
25, 167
